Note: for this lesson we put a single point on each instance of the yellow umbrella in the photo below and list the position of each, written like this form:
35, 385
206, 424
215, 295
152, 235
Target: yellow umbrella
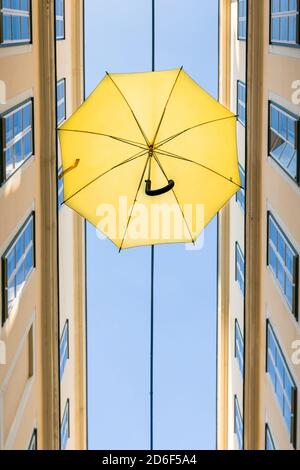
149, 158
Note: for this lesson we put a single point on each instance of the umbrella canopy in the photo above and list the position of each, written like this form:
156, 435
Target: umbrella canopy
149, 158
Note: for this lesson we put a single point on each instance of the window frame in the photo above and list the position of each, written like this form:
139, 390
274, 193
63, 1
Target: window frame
67, 331
58, 82
21, 42
60, 189
241, 38
242, 190
240, 82
294, 116
293, 427
33, 439
237, 413
238, 248
284, 44
5, 311
66, 413
62, 38
269, 433
295, 306
3, 178
238, 329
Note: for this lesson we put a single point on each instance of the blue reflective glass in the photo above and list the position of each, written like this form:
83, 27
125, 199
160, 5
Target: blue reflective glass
25, 31
284, 5
28, 262
281, 246
9, 162
275, 6
27, 141
280, 275
24, 5
292, 29
289, 259
19, 249
289, 292
6, 27
275, 29
16, 27
28, 234
20, 278
18, 156
293, 5
274, 118
284, 28
9, 129
6, 3
273, 232
287, 155
18, 126
292, 169
283, 125
272, 259
291, 131
15, 4
11, 292
11, 263
27, 116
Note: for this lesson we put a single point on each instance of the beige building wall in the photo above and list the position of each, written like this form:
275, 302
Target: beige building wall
31, 395
270, 72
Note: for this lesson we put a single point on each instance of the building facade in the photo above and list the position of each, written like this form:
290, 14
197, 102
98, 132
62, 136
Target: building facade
42, 243
259, 231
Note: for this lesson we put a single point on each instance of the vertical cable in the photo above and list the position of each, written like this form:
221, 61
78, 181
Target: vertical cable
151, 347
152, 268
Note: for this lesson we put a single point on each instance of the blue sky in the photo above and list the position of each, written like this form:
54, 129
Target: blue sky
118, 39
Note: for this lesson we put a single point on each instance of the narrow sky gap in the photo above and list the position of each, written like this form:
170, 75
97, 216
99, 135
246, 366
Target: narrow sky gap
118, 39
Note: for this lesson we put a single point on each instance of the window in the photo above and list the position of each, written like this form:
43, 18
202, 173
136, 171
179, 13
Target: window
65, 427
241, 102
242, 19
282, 381
283, 143
33, 441
285, 22
269, 442
283, 262
17, 264
60, 189
239, 347
240, 196
16, 128
239, 267
238, 424
15, 22
60, 19
61, 101
64, 348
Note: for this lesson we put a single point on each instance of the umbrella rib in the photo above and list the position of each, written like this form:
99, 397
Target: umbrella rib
135, 199
183, 216
166, 105
132, 112
120, 139
128, 160
172, 137
173, 155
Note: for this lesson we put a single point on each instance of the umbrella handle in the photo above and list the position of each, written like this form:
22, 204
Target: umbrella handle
159, 191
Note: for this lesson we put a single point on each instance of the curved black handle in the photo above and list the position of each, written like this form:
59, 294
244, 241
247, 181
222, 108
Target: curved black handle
159, 191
